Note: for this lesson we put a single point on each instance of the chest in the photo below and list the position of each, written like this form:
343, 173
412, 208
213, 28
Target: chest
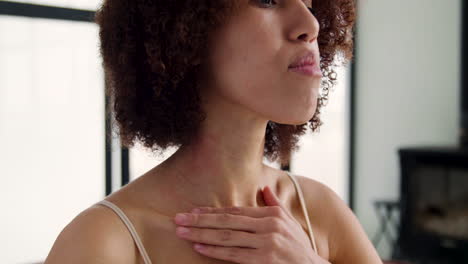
174, 250
164, 246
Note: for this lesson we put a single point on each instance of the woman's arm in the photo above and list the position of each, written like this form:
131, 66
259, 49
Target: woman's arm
94, 236
348, 243
348, 239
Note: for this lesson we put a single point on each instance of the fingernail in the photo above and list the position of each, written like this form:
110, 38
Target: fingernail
182, 218
196, 210
182, 230
199, 246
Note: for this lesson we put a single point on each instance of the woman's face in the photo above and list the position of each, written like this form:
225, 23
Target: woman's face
249, 59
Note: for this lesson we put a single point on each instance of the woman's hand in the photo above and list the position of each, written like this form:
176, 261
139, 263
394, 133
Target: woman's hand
247, 235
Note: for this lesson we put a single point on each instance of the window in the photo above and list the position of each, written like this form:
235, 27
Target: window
51, 129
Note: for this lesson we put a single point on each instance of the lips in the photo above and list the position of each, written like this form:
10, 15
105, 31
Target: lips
310, 70
307, 59
306, 64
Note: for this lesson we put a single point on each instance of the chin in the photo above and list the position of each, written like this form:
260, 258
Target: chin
299, 122
308, 116
297, 118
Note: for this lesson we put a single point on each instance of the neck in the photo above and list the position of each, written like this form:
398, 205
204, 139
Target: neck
220, 171
223, 165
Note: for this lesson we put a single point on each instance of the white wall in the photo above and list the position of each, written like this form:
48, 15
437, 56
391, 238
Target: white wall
324, 155
407, 91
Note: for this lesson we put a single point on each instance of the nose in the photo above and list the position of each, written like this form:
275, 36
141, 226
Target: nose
305, 26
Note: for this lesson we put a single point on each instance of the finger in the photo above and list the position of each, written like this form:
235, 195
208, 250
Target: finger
232, 254
221, 237
218, 220
255, 212
261, 219
272, 200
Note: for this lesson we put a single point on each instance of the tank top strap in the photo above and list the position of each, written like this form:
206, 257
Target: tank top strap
304, 210
130, 228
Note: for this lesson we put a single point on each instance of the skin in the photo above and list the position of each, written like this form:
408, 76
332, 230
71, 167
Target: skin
226, 157
267, 234
279, 34
245, 83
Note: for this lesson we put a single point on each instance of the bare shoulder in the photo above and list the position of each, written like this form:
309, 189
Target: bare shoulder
348, 242
96, 235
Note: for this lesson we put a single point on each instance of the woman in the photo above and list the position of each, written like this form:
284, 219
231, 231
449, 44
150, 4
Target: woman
228, 82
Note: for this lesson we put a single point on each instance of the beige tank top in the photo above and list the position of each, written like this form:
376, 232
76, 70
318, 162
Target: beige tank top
142, 250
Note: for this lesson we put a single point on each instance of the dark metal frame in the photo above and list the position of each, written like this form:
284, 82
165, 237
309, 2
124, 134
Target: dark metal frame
125, 158
464, 77
352, 122
43, 11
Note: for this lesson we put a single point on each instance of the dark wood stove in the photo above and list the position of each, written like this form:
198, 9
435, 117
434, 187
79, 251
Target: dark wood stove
433, 205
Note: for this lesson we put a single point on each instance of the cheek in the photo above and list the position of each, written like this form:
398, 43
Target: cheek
265, 87
250, 70
278, 98
246, 56
244, 73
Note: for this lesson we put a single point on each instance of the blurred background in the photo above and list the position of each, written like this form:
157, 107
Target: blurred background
393, 145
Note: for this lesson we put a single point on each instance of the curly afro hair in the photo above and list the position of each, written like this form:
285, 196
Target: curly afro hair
148, 47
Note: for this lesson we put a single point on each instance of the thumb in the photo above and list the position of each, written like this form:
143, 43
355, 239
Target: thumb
270, 197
